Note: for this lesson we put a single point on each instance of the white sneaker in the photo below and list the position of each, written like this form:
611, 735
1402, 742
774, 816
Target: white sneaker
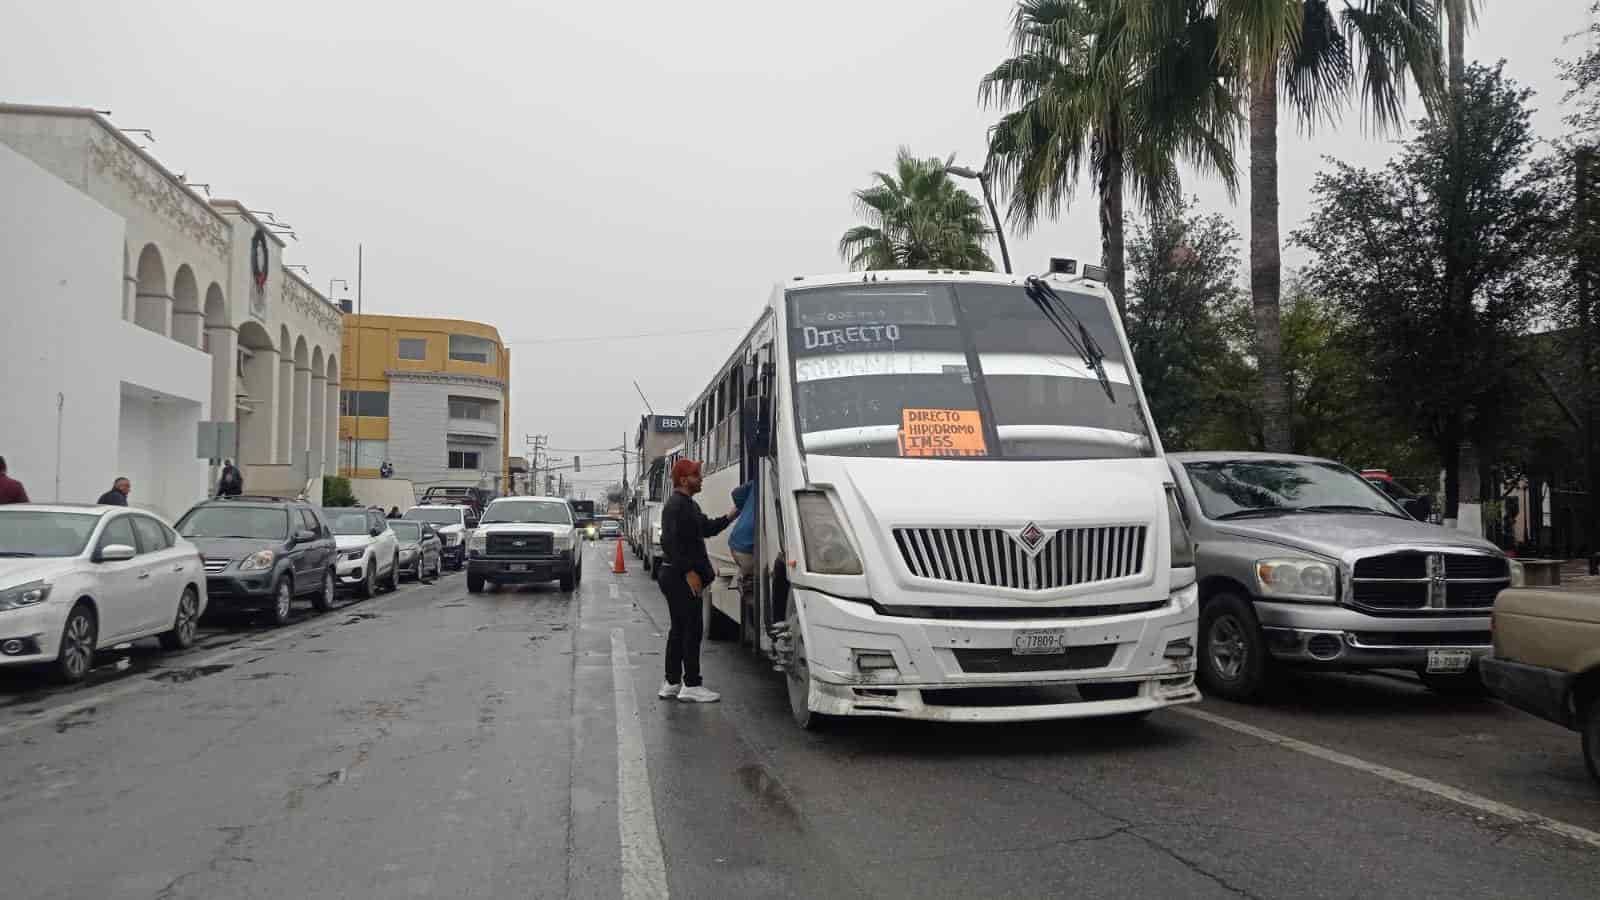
698, 695
668, 690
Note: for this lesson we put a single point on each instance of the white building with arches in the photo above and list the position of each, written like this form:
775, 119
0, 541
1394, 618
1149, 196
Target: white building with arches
135, 309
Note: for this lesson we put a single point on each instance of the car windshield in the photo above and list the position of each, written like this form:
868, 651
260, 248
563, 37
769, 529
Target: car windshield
968, 370
1235, 489
346, 521
541, 512
30, 532
406, 531
436, 515
265, 523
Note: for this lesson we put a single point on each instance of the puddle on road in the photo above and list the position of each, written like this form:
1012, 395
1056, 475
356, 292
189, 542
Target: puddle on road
179, 676
263, 676
451, 605
766, 789
358, 618
70, 721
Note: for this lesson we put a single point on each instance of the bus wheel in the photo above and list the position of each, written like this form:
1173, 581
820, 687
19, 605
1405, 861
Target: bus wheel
799, 676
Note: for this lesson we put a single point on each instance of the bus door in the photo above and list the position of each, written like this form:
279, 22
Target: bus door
761, 462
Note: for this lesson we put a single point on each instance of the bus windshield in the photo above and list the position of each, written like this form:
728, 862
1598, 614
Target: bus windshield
967, 371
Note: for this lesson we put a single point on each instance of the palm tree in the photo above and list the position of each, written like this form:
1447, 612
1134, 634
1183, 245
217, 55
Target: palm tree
1460, 14
919, 219
1317, 57
1083, 92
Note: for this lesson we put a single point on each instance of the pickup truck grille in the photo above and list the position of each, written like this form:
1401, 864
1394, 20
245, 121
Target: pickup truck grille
1418, 580
520, 545
993, 558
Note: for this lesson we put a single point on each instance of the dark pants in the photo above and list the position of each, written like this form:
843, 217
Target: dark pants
683, 639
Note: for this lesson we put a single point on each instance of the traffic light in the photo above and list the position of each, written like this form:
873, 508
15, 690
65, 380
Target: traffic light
577, 464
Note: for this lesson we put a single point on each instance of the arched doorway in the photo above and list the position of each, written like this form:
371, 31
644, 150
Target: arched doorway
257, 396
152, 304
187, 319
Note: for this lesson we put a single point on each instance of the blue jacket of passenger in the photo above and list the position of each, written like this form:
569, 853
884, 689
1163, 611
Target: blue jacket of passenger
743, 536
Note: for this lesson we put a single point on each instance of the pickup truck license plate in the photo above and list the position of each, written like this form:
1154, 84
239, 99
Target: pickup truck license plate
516, 567
1449, 661
1039, 642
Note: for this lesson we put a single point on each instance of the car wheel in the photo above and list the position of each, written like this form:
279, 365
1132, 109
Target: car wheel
474, 583
369, 581
1459, 684
568, 582
1233, 655
323, 601
1589, 724
392, 583
76, 656
282, 603
184, 623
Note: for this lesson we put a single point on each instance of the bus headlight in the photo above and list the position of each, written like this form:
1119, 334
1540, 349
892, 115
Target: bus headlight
1182, 545
828, 549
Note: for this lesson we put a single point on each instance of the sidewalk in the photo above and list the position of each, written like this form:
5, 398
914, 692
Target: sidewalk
1575, 577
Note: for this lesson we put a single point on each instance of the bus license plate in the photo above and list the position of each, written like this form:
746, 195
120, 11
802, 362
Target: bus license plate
1038, 642
1449, 662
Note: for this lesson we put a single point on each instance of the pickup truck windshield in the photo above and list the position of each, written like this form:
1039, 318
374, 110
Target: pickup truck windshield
437, 516
1236, 489
957, 370
535, 512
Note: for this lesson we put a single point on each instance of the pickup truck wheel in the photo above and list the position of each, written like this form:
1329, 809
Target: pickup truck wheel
1589, 724
568, 582
474, 583
1463, 684
1233, 655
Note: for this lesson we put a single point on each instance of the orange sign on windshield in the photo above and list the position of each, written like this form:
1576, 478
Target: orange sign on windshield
941, 432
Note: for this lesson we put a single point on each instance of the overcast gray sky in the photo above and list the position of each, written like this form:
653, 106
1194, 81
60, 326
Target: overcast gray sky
566, 170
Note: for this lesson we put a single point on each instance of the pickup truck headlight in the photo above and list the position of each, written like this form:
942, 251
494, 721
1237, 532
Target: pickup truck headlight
1519, 575
1297, 579
828, 550
564, 541
34, 592
478, 541
258, 561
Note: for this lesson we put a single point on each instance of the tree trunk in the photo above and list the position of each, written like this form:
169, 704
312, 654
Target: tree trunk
1265, 274
1458, 66
1113, 254
1452, 481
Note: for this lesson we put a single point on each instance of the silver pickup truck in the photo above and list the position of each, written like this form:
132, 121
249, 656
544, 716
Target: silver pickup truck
1301, 562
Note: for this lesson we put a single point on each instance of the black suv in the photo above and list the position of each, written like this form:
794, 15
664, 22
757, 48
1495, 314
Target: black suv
262, 552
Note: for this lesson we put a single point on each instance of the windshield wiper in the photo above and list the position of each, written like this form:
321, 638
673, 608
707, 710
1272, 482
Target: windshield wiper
1071, 327
1344, 508
16, 553
1257, 512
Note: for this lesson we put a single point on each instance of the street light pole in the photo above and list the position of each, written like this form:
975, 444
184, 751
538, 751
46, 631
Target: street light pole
999, 229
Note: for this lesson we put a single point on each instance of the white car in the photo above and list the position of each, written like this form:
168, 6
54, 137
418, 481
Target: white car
74, 578
369, 553
454, 523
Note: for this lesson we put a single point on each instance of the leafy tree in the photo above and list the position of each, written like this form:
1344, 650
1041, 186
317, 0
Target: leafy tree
1316, 54
1187, 323
919, 219
1083, 92
1437, 259
336, 491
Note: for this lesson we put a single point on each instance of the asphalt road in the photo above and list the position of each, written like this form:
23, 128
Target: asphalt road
431, 743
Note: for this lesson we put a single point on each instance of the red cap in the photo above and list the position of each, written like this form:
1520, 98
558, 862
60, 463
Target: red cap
684, 468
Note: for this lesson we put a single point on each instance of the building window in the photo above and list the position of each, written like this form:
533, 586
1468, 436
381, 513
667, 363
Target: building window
466, 348
364, 403
413, 348
463, 459
362, 454
468, 408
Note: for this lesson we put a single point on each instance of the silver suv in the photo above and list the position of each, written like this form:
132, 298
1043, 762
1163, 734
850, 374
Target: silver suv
1302, 562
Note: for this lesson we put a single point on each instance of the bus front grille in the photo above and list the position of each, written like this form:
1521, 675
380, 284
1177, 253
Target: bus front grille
994, 557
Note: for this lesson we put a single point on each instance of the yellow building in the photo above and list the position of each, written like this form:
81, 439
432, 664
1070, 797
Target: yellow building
431, 397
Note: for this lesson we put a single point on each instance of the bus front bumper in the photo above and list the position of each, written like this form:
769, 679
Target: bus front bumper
863, 663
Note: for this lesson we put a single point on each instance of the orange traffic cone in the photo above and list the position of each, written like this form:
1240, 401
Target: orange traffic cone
617, 568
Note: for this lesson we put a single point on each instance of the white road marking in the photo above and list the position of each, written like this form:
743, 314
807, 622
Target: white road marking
113, 692
644, 872
1426, 785
616, 593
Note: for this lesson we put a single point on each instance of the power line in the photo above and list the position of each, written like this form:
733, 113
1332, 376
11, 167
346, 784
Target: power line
621, 337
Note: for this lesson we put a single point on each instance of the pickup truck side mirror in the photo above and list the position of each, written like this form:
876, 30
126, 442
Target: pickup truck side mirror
375, 531
304, 536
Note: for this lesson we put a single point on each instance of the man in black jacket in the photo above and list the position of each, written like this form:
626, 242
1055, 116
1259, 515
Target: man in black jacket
685, 572
118, 495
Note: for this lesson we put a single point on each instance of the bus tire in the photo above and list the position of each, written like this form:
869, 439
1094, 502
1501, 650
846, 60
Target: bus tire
799, 682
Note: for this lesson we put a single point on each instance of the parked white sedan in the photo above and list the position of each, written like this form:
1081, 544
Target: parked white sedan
73, 578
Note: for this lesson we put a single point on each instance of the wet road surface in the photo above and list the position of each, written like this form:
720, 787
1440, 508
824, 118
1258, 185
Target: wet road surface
432, 743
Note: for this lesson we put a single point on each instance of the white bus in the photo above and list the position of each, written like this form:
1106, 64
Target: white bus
651, 492
964, 510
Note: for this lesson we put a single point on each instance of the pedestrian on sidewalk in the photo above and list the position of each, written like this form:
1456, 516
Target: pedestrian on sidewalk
394, 512
118, 495
10, 489
685, 572
231, 484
